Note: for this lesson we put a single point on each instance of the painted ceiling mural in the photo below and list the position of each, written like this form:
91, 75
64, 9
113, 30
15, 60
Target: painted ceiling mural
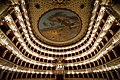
59, 25
60, 22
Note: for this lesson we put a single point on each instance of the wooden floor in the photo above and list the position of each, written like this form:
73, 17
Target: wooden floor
64, 79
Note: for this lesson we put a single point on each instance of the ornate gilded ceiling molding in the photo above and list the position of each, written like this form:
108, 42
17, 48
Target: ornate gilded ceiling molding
64, 2
55, 37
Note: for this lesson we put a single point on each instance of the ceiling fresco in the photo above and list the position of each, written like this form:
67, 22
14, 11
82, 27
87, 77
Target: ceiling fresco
59, 25
59, 22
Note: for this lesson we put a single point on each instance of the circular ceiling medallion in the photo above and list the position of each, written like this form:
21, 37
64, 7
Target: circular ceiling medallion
59, 26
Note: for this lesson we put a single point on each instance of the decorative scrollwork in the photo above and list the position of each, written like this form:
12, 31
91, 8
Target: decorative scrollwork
60, 1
